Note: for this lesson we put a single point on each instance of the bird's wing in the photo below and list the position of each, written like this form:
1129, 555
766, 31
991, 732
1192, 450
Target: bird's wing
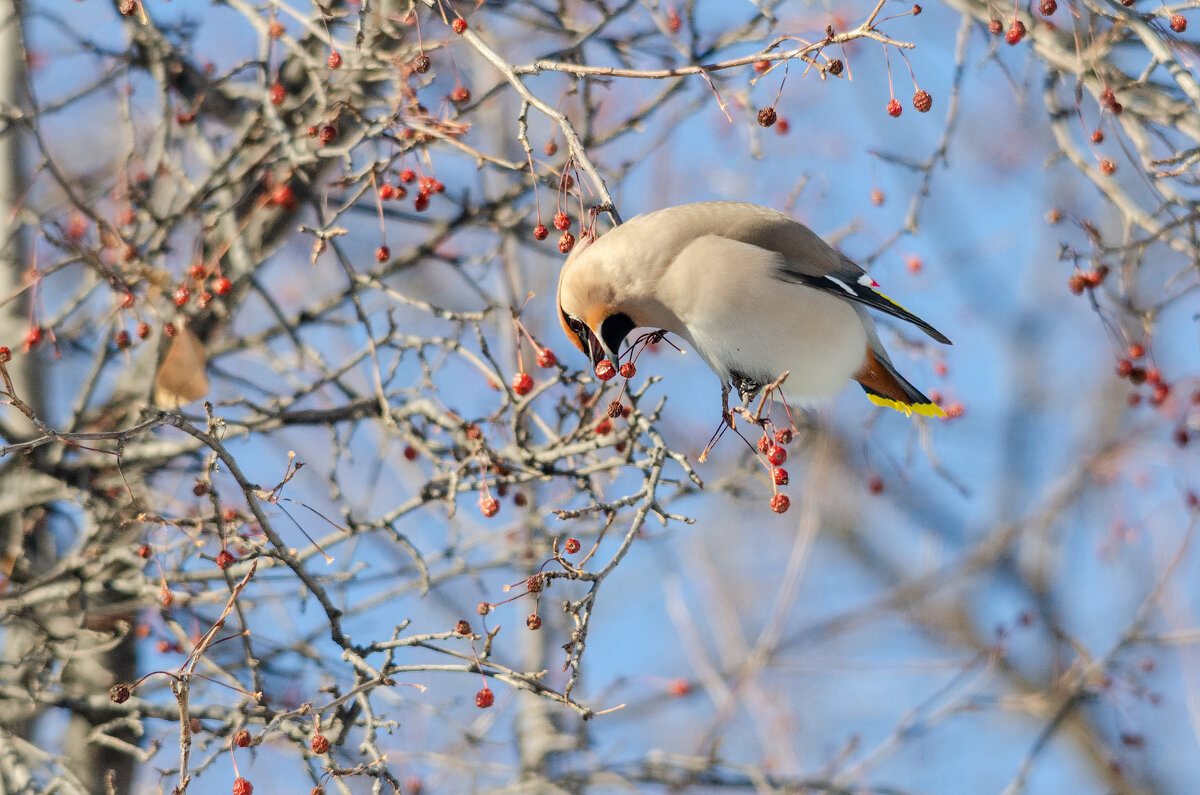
853, 283
807, 259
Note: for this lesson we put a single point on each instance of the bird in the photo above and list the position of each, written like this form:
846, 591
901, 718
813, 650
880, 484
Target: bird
754, 292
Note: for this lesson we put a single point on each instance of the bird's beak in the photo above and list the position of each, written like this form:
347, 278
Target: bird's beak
595, 349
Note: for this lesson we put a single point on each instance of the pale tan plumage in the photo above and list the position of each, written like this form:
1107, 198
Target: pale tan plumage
754, 292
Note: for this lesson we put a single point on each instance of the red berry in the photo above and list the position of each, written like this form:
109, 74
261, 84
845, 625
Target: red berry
1137, 350
484, 698
605, 370
463, 627
1153, 376
143, 330
764, 444
1047, 7
319, 744
127, 7
1097, 136
566, 242
546, 358
121, 338
182, 293
127, 300
782, 127
276, 29
490, 506
954, 410
1016, 32
540, 231
311, 132
761, 66
893, 107
460, 94
32, 338
1160, 394
197, 272
278, 93
779, 476
922, 101
242, 738
328, 134
421, 64
916, 11
1076, 283
460, 26
522, 383
225, 559
335, 59
780, 503
562, 221
242, 787
571, 546
408, 175
421, 203
383, 254
1107, 167
410, 453
119, 693
144, 551
604, 427
222, 286
674, 22
1178, 23
284, 196
386, 192
767, 117
628, 370
875, 484
783, 436
776, 455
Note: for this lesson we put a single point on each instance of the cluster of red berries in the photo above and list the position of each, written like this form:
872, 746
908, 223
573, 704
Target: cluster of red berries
1138, 375
1084, 280
773, 447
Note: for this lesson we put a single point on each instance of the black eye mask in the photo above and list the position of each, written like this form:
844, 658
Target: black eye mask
614, 329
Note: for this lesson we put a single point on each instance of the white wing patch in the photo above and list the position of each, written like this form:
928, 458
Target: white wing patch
842, 284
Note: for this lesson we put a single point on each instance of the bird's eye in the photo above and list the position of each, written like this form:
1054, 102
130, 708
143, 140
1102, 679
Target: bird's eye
575, 324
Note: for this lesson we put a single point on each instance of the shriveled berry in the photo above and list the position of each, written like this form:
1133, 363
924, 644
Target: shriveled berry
463, 627
1047, 7
767, 117
460, 26
460, 94
489, 506
780, 503
383, 254
562, 221
571, 546
835, 66
533, 621
783, 436
319, 744
605, 370
628, 370
546, 358
121, 338
995, 27
421, 64
916, 11
483, 608
485, 698
779, 476
242, 787
242, 738
1178, 23
894, 108
522, 383
127, 7
776, 455
540, 232
922, 101
119, 693
566, 242
764, 444
335, 59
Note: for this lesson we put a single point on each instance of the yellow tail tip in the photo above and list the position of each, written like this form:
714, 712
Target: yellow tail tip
924, 409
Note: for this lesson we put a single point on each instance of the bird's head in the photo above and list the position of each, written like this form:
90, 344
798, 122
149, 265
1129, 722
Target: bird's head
593, 307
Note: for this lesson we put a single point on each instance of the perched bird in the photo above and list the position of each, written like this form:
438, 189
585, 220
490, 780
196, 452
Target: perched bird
754, 292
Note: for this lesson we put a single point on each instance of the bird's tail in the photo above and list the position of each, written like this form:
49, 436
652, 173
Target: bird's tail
886, 387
